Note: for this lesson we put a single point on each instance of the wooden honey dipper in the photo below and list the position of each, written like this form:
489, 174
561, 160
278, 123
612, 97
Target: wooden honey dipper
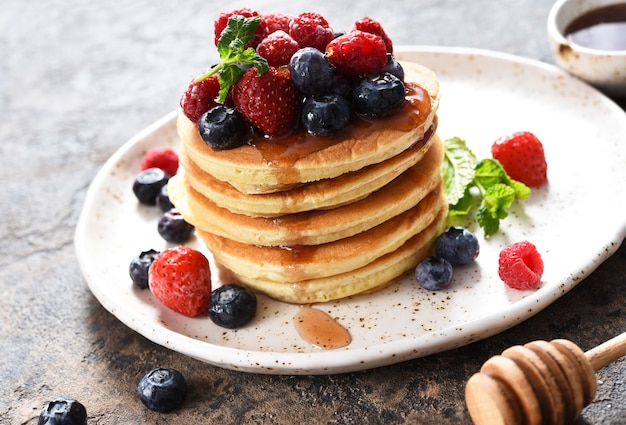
538, 383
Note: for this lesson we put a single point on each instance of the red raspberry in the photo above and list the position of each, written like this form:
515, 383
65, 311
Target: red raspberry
180, 279
277, 48
522, 157
366, 24
160, 157
276, 21
357, 53
200, 97
222, 21
520, 265
311, 29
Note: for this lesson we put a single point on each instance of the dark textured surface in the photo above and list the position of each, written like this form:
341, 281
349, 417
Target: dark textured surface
77, 79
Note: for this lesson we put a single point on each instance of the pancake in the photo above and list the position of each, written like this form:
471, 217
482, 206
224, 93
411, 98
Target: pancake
307, 218
271, 165
311, 227
376, 275
322, 194
298, 262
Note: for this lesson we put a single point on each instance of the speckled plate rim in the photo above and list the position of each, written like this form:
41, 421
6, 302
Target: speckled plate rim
484, 94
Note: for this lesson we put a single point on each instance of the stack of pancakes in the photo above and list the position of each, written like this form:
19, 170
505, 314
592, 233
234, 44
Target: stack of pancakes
308, 219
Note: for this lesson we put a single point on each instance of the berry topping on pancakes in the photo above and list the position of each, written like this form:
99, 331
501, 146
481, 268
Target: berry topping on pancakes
273, 64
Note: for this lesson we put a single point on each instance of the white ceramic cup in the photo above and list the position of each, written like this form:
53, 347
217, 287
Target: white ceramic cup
603, 69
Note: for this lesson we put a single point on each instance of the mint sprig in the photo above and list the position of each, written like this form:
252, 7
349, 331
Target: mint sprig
496, 190
457, 168
235, 58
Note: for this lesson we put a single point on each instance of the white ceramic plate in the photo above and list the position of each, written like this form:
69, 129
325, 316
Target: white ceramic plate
576, 221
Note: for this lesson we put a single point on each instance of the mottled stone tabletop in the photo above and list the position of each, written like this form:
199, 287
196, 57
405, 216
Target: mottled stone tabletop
78, 79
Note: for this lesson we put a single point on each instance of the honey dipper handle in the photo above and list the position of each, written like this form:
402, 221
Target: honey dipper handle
607, 352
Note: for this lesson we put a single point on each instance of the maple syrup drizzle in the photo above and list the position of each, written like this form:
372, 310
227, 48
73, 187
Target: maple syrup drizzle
320, 329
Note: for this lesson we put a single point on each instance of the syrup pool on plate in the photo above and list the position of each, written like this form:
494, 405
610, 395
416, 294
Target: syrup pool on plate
320, 329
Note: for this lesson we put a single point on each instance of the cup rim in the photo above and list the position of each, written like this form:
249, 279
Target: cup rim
558, 36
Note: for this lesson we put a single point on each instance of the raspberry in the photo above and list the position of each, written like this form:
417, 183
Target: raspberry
366, 24
276, 21
311, 29
160, 157
357, 53
277, 48
200, 97
522, 157
222, 21
520, 265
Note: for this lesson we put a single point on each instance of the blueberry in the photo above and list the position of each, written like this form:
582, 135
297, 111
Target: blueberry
458, 245
378, 94
148, 184
173, 228
393, 67
139, 266
325, 114
341, 85
232, 306
162, 389
434, 273
63, 411
222, 127
310, 71
163, 200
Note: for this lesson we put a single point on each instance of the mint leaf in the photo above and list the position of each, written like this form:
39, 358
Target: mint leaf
521, 190
237, 33
235, 58
489, 172
493, 207
227, 77
457, 169
463, 205
485, 220
497, 199
496, 190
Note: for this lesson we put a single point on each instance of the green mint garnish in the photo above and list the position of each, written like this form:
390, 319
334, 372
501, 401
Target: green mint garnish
457, 168
235, 58
496, 190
